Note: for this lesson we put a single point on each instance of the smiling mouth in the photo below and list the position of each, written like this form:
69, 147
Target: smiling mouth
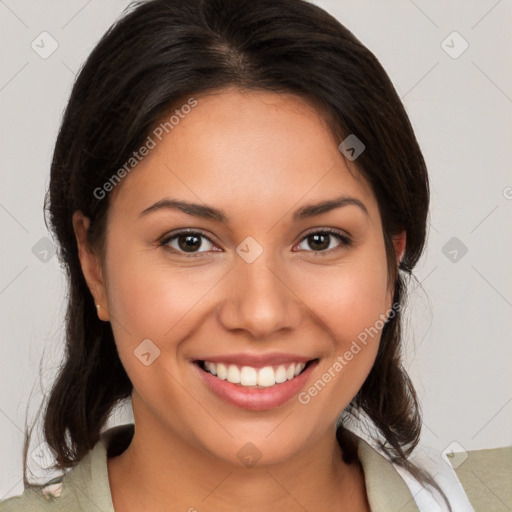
250, 377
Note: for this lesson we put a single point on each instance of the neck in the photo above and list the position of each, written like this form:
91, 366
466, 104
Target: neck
160, 471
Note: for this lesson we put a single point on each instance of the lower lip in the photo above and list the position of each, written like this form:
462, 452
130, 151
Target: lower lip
256, 399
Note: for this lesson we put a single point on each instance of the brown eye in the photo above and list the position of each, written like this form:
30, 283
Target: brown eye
322, 241
319, 242
188, 242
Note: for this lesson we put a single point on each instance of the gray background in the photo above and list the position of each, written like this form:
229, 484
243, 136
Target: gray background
458, 346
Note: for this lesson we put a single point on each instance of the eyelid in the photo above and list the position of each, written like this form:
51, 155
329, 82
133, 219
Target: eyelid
334, 231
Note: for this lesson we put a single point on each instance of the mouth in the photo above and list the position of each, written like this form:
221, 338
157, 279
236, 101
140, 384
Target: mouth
256, 388
251, 377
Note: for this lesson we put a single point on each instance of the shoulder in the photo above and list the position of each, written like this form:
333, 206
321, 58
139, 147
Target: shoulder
38, 499
84, 486
436, 463
388, 481
486, 476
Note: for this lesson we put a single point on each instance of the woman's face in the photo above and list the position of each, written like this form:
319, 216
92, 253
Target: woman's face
259, 285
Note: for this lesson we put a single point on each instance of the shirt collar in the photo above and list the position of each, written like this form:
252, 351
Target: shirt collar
89, 483
385, 488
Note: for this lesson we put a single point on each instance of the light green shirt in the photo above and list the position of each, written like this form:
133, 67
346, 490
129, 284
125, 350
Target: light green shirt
85, 488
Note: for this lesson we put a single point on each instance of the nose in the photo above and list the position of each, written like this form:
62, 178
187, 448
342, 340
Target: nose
259, 299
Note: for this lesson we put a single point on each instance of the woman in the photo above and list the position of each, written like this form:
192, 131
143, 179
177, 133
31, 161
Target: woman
239, 199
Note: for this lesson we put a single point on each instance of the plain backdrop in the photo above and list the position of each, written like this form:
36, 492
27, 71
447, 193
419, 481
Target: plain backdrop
450, 63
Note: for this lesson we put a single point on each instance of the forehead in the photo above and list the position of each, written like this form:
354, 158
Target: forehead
247, 150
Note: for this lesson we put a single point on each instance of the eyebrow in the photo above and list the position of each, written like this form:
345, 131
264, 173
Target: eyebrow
326, 206
208, 212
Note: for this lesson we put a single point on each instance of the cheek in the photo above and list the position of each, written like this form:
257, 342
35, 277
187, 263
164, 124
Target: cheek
150, 294
154, 300
352, 297
357, 304
351, 304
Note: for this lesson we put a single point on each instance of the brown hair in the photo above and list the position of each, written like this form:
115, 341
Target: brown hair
161, 51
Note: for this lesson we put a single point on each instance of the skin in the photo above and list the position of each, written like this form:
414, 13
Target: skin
258, 156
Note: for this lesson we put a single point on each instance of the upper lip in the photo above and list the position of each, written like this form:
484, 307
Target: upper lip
258, 360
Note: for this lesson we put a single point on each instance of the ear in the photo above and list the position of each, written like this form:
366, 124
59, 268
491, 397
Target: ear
399, 243
91, 265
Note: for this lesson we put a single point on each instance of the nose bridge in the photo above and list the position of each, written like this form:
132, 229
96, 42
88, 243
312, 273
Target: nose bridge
258, 299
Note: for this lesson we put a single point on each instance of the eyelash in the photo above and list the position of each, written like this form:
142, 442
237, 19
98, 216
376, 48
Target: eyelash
344, 240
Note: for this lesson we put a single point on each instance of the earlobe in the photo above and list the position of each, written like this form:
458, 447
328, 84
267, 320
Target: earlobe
102, 314
399, 241
91, 265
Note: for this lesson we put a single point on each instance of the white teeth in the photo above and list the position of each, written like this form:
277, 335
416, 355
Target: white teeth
248, 376
210, 367
222, 371
266, 377
298, 368
233, 374
281, 374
